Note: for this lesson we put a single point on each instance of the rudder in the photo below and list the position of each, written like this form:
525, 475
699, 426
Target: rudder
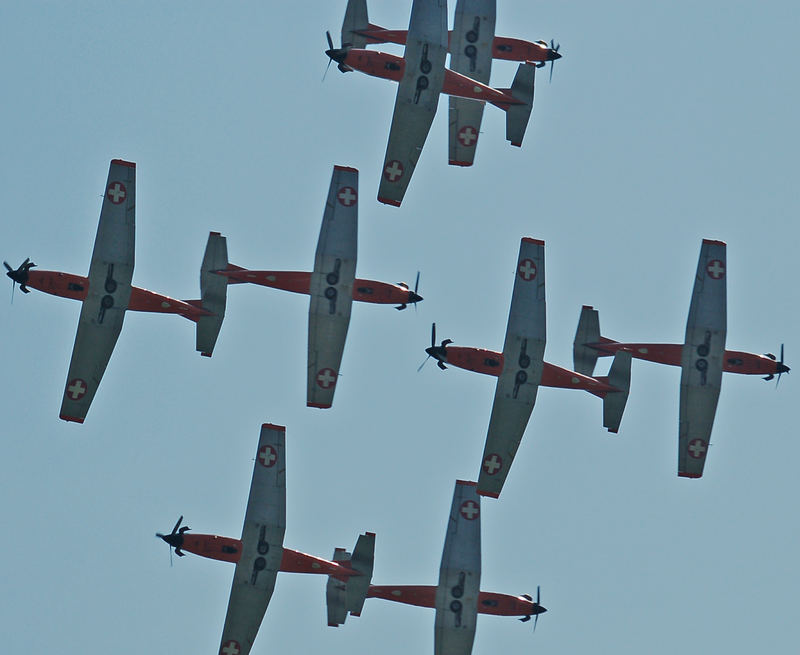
584, 358
213, 293
343, 596
518, 116
619, 377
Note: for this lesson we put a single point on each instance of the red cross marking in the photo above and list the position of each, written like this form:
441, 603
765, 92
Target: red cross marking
715, 269
326, 378
116, 192
467, 136
393, 171
697, 448
267, 456
230, 648
347, 196
469, 510
527, 269
492, 464
76, 389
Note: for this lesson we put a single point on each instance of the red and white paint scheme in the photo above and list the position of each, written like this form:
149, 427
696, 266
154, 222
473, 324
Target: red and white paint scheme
259, 554
457, 598
703, 356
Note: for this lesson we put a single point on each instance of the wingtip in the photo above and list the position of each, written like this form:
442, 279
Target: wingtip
537, 242
70, 419
319, 405
693, 476
273, 426
713, 242
349, 169
122, 162
389, 201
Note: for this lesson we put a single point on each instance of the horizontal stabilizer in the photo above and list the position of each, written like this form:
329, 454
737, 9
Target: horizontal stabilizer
518, 116
584, 358
619, 377
213, 291
343, 596
355, 20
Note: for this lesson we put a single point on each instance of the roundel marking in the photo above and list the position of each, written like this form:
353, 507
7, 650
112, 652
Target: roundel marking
267, 456
527, 269
76, 389
393, 171
469, 510
468, 136
347, 196
697, 448
492, 464
116, 192
326, 378
715, 269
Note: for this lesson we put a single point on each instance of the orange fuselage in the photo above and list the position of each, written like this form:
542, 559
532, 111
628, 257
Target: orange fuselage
502, 47
392, 67
425, 596
670, 353
300, 282
227, 549
490, 362
76, 287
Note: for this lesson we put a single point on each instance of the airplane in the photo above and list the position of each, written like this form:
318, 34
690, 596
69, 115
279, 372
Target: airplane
260, 553
332, 285
422, 76
472, 46
106, 293
702, 356
457, 598
520, 370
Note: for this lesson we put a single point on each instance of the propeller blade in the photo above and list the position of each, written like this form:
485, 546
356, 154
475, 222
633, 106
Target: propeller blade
416, 287
433, 335
330, 40
8, 267
177, 525
538, 594
324, 75
424, 361
535, 621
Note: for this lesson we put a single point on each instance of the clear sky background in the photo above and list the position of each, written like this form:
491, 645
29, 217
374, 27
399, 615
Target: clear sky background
664, 124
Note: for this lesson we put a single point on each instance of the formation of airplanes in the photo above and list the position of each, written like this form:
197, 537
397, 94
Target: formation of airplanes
107, 292
421, 76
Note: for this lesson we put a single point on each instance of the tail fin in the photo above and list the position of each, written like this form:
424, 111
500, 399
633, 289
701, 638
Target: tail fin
518, 116
213, 291
584, 357
349, 595
355, 20
619, 376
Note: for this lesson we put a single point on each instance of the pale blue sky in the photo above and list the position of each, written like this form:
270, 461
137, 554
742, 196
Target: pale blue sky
664, 124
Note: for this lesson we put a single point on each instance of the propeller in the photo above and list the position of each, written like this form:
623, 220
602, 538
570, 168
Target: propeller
554, 48
175, 538
439, 353
780, 367
537, 608
413, 296
20, 276
336, 54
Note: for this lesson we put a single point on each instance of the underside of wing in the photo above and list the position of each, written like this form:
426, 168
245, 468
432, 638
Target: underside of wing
702, 359
459, 575
518, 383
471, 55
110, 276
332, 287
417, 98
262, 544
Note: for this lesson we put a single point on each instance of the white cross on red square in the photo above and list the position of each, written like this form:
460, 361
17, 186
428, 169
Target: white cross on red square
326, 378
527, 269
230, 648
116, 192
492, 464
76, 389
469, 510
697, 448
267, 456
467, 136
393, 171
347, 196
715, 269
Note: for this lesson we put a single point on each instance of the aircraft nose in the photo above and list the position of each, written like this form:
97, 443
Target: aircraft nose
414, 297
782, 368
555, 55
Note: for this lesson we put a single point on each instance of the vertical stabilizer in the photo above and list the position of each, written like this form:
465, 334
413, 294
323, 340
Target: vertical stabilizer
214, 293
619, 376
355, 20
343, 596
584, 357
518, 116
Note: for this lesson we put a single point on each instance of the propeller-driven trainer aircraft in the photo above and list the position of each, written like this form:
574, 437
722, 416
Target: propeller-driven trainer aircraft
332, 284
422, 76
260, 554
702, 356
472, 46
457, 598
521, 369
106, 293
